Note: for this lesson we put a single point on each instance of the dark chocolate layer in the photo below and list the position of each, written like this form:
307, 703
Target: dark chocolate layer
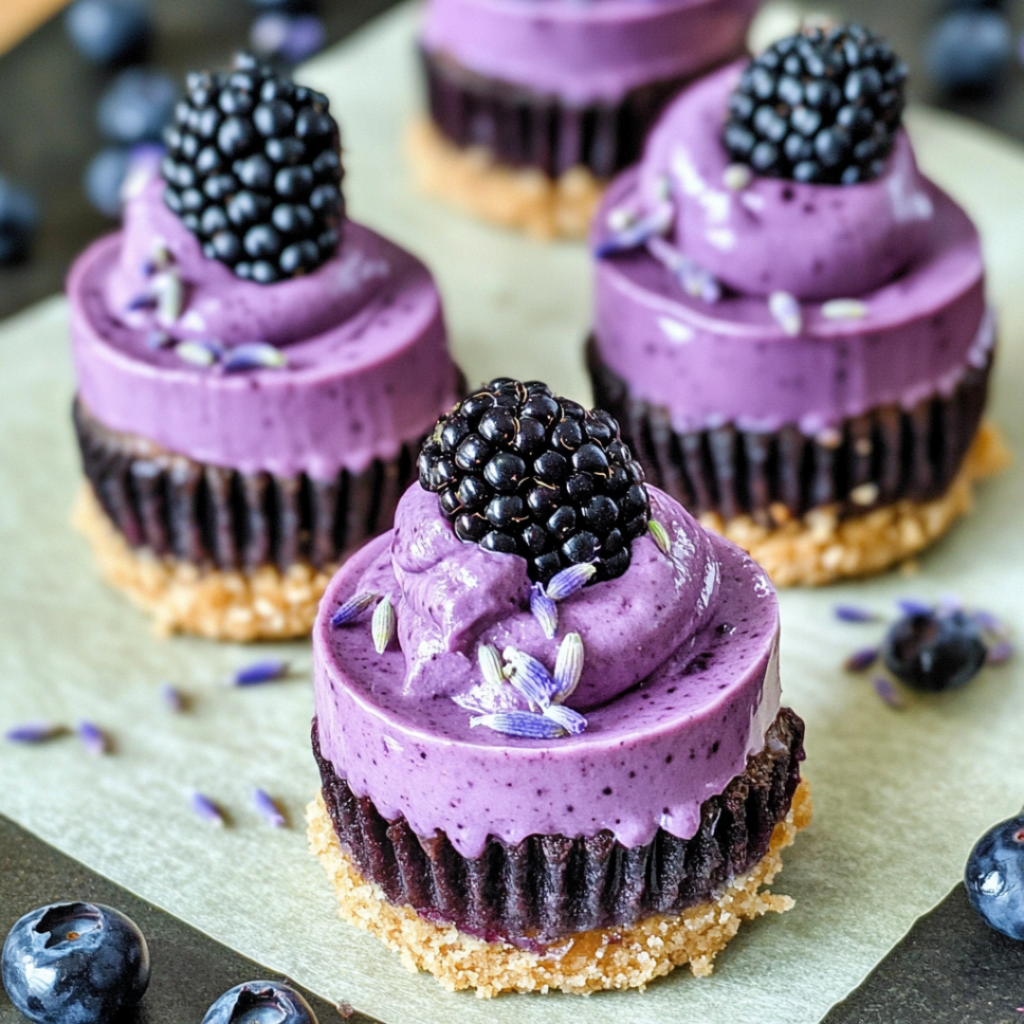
886, 455
213, 516
551, 886
523, 128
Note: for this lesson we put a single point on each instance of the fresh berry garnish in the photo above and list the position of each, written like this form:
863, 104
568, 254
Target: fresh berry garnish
137, 106
110, 32
521, 471
819, 106
253, 168
969, 51
994, 877
19, 219
934, 650
260, 1001
80, 962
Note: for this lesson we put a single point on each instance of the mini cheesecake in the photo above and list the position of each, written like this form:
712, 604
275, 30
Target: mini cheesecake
550, 773
794, 333
535, 104
255, 371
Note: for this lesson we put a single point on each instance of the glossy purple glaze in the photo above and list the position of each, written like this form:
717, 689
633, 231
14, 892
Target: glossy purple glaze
367, 360
679, 685
586, 52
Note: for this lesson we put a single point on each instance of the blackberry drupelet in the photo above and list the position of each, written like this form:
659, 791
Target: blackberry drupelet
820, 106
253, 169
520, 471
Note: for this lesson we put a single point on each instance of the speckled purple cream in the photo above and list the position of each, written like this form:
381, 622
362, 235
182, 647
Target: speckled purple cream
587, 52
680, 683
899, 246
367, 360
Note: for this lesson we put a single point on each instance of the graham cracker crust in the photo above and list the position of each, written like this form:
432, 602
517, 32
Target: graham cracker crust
627, 957
821, 548
525, 199
265, 604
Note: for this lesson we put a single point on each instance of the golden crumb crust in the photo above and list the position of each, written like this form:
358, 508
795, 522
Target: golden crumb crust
265, 604
611, 958
821, 548
515, 197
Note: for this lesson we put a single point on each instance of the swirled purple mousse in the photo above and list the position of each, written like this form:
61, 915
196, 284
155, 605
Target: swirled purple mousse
680, 683
587, 52
906, 338
367, 365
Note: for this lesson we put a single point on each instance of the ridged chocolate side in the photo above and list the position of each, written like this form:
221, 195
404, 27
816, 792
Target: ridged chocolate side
550, 886
212, 516
887, 454
523, 128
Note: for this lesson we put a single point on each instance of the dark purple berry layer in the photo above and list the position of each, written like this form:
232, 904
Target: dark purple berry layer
522, 128
820, 106
253, 169
551, 886
220, 518
873, 460
518, 470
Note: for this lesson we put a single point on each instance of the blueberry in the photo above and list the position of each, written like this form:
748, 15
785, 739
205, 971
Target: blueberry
104, 177
257, 1001
969, 51
137, 106
110, 32
934, 651
19, 219
292, 38
994, 877
74, 963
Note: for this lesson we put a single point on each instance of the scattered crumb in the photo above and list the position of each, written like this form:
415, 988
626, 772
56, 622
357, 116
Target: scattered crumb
822, 548
262, 605
522, 198
626, 957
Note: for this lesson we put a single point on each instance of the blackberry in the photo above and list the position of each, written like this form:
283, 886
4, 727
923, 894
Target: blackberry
819, 106
253, 169
520, 471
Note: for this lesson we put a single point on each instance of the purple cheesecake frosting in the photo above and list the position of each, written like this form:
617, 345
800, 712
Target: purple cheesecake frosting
367, 366
587, 52
902, 317
817, 242
680, 683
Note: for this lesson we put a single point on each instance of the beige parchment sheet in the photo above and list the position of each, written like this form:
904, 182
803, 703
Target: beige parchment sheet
900, 796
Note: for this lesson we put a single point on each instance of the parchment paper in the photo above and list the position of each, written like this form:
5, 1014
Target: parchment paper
900, 795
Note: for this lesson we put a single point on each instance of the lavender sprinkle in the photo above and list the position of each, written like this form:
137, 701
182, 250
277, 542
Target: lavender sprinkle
34, 732
570, 581
544, 610
144, 301
490, 664
173, 698
568, 667
521, 724
197, 353
352, 609
383, 625
207, 809
854, 613
530, 678
642, 229
571, 721
785, 310
261, 672
660, 536
862, 660
93, 738
999, 653
911, 606
157, 340
170, 296
254, 356
889, 694
268, 809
